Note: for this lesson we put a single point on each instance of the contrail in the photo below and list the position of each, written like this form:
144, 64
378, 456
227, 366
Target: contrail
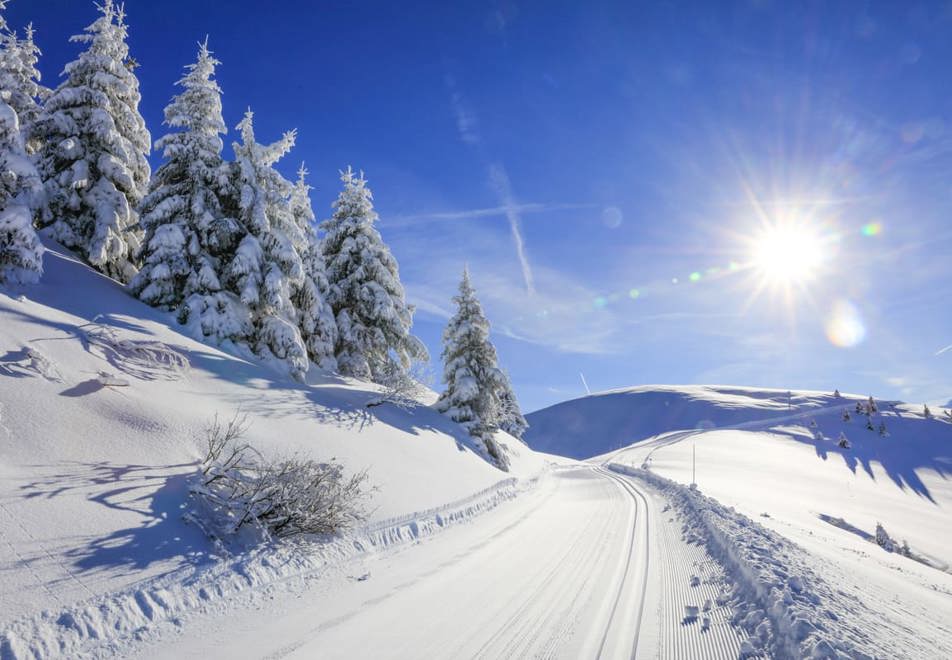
943, 350
500, 181
582, 376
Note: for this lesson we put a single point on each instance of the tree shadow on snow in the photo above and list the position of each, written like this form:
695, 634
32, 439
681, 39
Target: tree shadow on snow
155, 494
912, 444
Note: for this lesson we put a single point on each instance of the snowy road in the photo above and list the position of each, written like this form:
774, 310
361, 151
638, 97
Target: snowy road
574, 569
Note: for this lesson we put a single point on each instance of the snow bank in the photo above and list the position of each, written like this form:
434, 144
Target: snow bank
786, 608
104, 625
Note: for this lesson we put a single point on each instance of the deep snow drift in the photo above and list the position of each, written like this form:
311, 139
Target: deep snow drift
103, 405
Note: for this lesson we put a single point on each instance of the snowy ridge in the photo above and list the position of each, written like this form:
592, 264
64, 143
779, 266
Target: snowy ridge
786, 609
106, 625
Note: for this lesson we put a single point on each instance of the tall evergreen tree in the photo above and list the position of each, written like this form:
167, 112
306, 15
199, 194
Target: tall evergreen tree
266, 267
511, 419
94, 148
474, 381
365, 293
21, 254
315, 317
20, 248
185, 228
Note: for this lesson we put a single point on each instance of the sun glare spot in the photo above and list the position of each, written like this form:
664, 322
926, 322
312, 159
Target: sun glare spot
788, 254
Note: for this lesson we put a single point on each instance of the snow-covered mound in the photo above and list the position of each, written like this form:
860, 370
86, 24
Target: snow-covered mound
102, 406
600, 423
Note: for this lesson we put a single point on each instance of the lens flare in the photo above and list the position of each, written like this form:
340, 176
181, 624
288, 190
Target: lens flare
872, 229
844, 325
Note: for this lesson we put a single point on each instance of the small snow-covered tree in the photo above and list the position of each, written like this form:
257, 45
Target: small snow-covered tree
871, 405
511, 419
186, 231
94, 149
365, 293
843, 442
266, 267
21, 254
836, 394
846, 415
315, 317
926, 412
474, 381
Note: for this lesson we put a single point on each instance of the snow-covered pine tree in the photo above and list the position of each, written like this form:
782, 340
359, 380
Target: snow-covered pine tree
266, 267
511, 419
21, 254
926, 412
20, 79
474, 381
846, 415
365, 293
843, 442
186, 231
315, 318
94, 149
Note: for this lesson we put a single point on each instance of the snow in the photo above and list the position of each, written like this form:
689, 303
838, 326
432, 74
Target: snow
773, 457
103, 406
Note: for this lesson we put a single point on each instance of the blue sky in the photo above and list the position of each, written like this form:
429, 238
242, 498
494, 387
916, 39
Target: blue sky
586, 158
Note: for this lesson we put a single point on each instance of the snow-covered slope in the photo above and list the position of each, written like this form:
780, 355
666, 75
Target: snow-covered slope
102, 406
602, 422
777, 460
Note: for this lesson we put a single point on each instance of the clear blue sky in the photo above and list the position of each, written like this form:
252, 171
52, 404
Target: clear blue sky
581, 157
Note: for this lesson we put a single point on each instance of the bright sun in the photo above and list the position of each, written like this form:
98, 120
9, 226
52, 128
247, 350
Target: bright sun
788, 254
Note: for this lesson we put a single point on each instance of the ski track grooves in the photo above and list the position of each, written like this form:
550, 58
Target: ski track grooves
640, 509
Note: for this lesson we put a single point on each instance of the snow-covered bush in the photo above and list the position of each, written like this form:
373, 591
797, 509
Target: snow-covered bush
239, 490
365, 293
93, 158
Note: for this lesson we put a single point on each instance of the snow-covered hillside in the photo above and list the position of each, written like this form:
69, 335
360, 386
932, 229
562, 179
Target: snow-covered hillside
780, 462
102, 406
602, 422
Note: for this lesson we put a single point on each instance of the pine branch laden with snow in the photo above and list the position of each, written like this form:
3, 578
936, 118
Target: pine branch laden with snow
365, 293
93, 159
315, 317
21, 253
475, 385
187, 233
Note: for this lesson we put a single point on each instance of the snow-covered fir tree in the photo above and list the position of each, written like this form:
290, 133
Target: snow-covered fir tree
20, 78
186, 232
315, 317
266, 268
365, 293
511, 419
474, 381
21, 254
94, 149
